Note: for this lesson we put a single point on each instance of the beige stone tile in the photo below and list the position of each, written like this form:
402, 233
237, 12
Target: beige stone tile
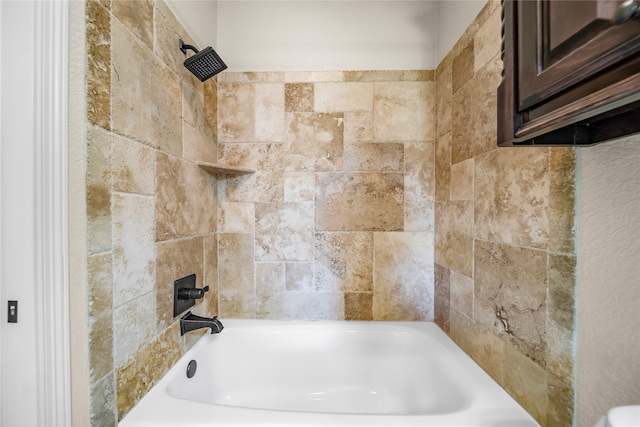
136, 377
98, 190
358, 306
134, 252
193, 112
252, 77
266, 184
419, 186
284, 231
176, 259
270, 279
474, 114
512, 197
269, 115
298, 97
462, 293
139, 109
211, 108
462, 68
560, 402
98, 33
236, 217
134, 325
526, 381
487, 41
100, 284
388, 75
341, 97
510, 285
299, 186
185, 199
137, 16
359, 202
344, 262
358, 126
404, 111
313, 306
299, 276
284, 247
197, 146
443, 101
562, 199
211, 273
103, 402
313, 76
462, 180
562, 283
442, 298
454, 236
403, 277
560, 349
236, 277
133, 167
236, 112
443, 167
374, 157
100, 316
314, 141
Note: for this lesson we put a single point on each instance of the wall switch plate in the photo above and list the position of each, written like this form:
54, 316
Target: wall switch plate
12, 311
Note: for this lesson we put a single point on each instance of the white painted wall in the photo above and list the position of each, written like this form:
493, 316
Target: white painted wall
608, 371
199, 17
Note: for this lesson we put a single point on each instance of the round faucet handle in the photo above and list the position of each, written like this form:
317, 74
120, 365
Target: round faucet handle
192, 293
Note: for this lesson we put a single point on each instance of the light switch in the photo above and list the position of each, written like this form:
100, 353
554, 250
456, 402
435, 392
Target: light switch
13, 312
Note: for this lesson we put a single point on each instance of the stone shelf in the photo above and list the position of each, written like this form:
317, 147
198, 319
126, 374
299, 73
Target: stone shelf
218, 169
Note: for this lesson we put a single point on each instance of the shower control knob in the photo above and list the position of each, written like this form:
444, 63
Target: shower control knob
192, 293
627, 10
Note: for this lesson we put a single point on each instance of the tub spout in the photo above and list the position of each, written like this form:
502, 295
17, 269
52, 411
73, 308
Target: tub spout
191, 322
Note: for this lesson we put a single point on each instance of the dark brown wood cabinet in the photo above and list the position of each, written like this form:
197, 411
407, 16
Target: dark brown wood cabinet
571, 72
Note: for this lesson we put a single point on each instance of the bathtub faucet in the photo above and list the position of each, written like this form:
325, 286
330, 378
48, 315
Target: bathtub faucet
191, 322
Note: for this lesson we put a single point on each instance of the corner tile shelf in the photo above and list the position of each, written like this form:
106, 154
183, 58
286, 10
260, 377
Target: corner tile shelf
218, 169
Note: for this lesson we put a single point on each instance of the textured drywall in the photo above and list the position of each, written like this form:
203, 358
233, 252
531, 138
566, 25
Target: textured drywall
608, 278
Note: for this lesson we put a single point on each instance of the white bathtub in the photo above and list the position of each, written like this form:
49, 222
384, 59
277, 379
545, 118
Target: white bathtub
279, 373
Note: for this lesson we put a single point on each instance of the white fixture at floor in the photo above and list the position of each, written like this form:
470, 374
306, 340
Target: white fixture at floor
621, 416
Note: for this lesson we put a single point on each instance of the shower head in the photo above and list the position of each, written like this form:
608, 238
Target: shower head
204, 64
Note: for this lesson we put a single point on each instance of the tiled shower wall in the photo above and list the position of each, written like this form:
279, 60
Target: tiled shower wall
151, 212
337, 221
504, 241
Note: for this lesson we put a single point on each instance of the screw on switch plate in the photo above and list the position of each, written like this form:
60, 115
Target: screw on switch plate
13, 312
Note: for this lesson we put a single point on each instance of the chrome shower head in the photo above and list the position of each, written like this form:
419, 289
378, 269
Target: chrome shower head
204, 64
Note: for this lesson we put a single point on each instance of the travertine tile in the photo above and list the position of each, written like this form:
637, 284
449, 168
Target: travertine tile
314, 141
442, 299
168, 31
419, 186
312, 306
137, 16
299, 276
526, 381
280, 228
140, 373
487, 41
454, 236
374, 157
100, 315
197, 146
139, 110
359, 202
510, 295
562, 279
298, 97
516, 213
403, 277
474, 114
133, 167
134, 252
462, 293
404, 111
103, 402
176, 259
462, 67
134, 325
236, 217
559, 403
284, 247
358, 306
299, 186
313, 76
266, 184
443, 167
98, 190
341, 97
269, 115
185, 199
236, 277
210, 124
462, 180
98, 30
443, 101
236, 112
562, 199
344, 262
358, 126
270, 279
193, 112
211, 273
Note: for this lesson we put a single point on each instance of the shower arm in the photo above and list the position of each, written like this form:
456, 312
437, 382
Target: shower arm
184, 47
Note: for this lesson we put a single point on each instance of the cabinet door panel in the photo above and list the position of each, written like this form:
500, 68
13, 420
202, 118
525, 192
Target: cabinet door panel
563, 43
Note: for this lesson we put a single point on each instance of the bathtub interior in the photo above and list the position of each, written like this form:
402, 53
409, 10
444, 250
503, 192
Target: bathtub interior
341, 368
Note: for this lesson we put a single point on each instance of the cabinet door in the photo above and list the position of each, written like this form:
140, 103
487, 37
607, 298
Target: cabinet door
564, 43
